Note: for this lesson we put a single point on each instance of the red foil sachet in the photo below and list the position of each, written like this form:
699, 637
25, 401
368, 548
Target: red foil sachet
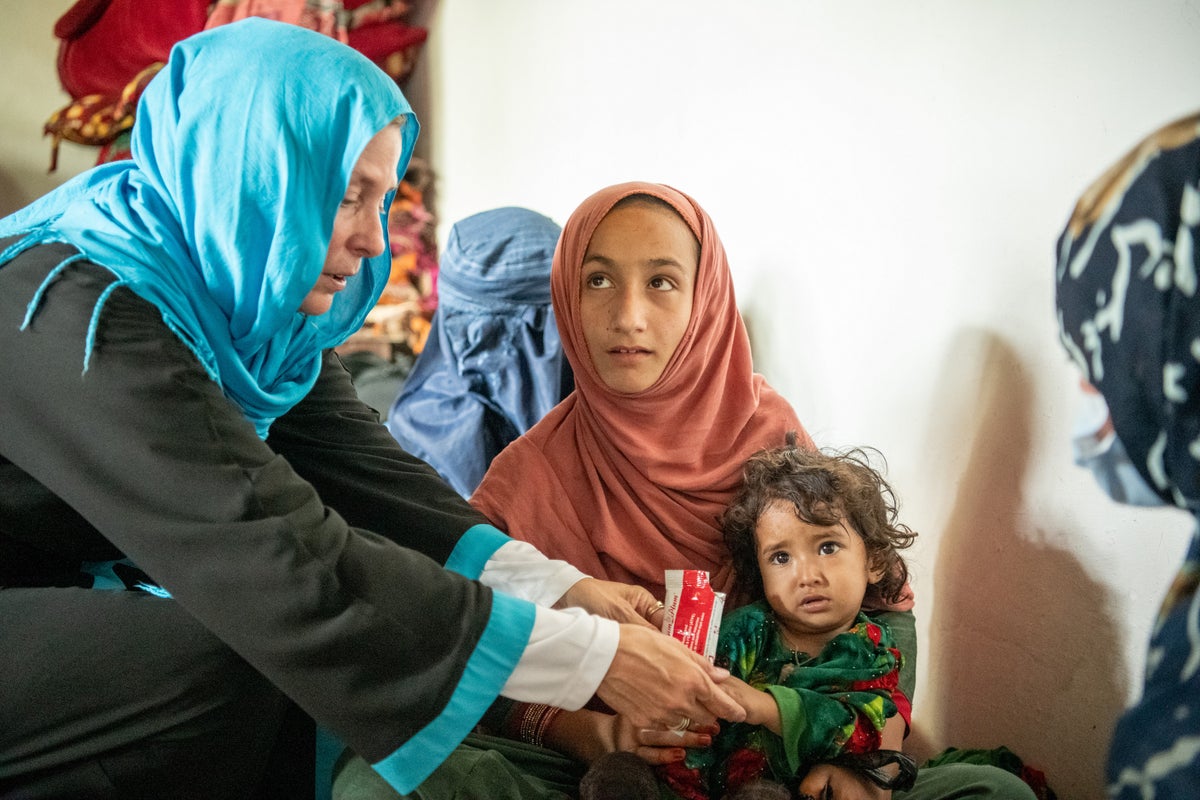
693, 610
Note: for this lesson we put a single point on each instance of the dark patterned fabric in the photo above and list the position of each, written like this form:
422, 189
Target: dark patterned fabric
1129, 316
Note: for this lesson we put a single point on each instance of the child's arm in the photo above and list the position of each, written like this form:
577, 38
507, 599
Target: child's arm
892, 736
761, 708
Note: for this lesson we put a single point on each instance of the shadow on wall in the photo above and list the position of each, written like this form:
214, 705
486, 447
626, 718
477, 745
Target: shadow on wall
1022, 649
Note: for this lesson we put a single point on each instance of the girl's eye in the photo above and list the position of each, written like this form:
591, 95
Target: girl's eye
829, 548
778, 558
595, 281
661, 283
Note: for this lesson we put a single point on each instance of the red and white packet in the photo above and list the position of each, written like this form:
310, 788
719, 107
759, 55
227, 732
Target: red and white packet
693, 610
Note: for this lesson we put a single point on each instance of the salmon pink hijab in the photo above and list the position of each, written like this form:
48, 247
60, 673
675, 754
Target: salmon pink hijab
627, 485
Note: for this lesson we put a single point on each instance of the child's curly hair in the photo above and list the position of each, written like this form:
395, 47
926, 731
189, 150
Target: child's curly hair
823, 488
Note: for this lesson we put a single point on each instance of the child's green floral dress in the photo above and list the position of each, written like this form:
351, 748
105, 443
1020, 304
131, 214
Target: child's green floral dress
834, 702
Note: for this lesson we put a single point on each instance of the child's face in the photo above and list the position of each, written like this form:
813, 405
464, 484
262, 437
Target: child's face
635, 297
814, 576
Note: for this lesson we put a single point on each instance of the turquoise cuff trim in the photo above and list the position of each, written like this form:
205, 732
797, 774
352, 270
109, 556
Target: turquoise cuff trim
494, 658
474, 549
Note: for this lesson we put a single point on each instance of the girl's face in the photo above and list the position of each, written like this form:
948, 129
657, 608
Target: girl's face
358, 226
635, 297
814, 576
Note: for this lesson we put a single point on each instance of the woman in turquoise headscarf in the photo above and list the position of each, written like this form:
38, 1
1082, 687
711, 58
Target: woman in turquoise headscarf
178, 430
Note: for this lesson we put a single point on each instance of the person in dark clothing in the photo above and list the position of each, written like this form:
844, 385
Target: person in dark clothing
207, 542
1129, 319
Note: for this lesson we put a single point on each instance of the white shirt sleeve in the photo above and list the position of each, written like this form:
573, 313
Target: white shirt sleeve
569, 651
568, 655
521, 570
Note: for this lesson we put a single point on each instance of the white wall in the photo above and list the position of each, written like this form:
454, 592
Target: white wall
889, 179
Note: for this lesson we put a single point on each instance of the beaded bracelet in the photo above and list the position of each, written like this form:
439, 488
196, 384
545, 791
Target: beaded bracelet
535, 721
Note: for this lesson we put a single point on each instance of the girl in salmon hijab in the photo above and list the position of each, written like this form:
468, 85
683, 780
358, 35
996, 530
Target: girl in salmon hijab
645, 455
647, 452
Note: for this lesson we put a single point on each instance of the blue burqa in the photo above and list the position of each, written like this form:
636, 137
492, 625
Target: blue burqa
493, 364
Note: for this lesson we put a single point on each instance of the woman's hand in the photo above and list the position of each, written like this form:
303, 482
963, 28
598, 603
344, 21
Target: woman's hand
587, 735
658, 682
623, 602
657, 745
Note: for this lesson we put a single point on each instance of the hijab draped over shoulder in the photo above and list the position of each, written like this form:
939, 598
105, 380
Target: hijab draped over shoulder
242, 150
493, 365
1128, 291
1128, 283
624, 486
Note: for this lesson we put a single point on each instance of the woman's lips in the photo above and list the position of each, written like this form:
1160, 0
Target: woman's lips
335, 281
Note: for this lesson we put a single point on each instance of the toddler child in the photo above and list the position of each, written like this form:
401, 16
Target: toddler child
812, 535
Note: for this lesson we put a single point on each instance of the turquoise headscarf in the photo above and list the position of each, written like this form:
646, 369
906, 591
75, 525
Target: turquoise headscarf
242, 150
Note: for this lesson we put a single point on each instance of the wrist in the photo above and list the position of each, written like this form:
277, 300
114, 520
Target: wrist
531, 723
764, 712
583, 735
567, 599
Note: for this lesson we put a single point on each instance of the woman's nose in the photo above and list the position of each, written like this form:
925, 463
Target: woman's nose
369, 239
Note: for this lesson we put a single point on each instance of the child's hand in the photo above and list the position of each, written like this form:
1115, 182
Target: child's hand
761, 708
